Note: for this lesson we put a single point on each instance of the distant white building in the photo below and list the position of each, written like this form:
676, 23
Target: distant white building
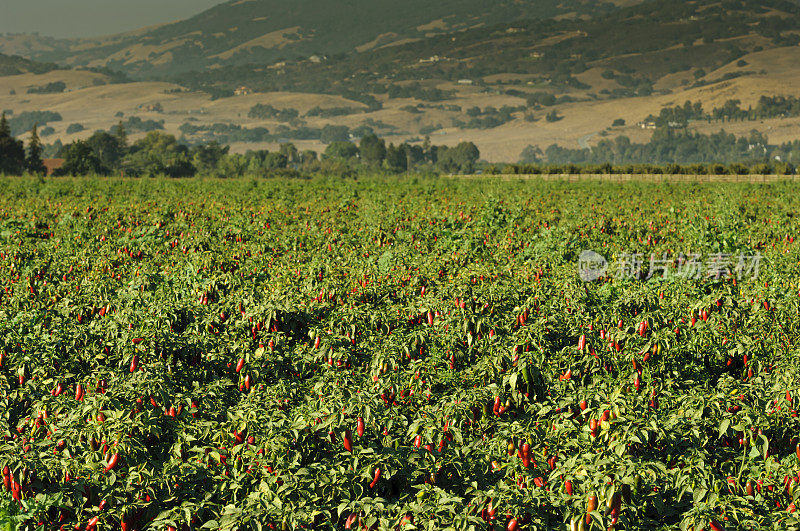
465, 82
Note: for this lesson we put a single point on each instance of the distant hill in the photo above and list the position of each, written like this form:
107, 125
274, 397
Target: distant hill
263, 31
627, 51
507, 75
349, 45
11, 65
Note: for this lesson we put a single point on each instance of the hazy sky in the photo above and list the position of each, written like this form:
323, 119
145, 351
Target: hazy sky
88, 18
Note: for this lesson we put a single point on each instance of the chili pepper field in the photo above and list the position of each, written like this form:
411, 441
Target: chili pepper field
398, 353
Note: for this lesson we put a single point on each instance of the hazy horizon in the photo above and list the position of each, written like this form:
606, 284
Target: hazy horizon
92, 18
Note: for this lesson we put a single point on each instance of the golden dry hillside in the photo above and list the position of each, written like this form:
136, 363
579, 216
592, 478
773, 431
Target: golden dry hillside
503, 86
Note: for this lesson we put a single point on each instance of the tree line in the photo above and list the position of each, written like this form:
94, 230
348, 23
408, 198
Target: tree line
669, 146
735, 168
159, 153
767, 107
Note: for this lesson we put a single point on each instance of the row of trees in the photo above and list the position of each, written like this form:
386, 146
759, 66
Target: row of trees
670, 146
373, 153
736, 168
158, 153
767, 107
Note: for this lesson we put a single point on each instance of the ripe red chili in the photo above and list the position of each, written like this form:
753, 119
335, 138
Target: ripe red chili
376, 478
112, 462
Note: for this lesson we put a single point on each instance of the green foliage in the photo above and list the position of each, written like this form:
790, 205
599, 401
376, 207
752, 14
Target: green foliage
553, 116
396, 159
206, 157
459, 159
75, 128
675, 146
159, 154
109, 148
372, 150
268, 112
7, 512
137, 125
227, 337
275, 161
80, 159
334, 133
534, 165
341, 150
417, 91
330, 112
531, 155
12, 151
659, 39
55, 87
487, 118
542, 98
26, 120
162, 154
33, 158
12, 65
289, 150
225, 133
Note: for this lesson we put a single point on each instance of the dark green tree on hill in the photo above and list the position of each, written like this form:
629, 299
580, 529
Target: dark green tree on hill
33, 162
459, 159
80, 159
12, 151
372, 150
290, 151
160, 154
341, 150
108, 148
121, 134
396, 159
206, 157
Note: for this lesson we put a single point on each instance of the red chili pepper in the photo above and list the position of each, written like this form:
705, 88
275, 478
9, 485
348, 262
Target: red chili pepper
377, 477
112, 462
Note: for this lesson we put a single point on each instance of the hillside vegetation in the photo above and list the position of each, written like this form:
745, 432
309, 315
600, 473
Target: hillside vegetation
237, 32
633, 48
273, 354
13, 64
572, 74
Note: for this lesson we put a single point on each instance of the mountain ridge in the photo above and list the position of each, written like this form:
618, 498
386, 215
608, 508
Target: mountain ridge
11, 65
322, 28
570, 80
